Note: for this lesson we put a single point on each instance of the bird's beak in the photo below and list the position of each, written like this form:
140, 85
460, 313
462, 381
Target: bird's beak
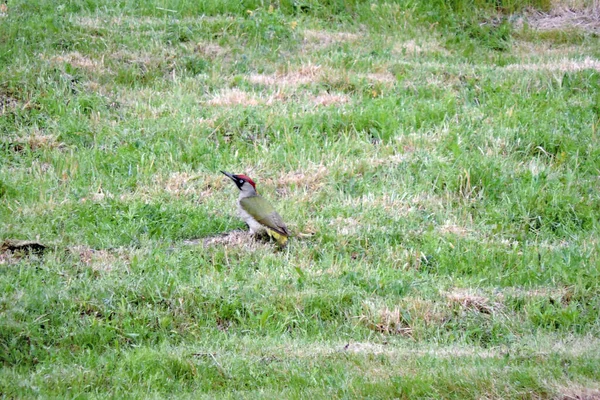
230, 176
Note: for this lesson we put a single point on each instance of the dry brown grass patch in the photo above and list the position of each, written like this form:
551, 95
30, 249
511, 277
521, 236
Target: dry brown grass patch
575, 391
37, 140
454, 229
346, 226
327, 99
310, 179
563, 65
78, 60
100, 260
391, 322
400, 320
468, 300
238, 239
185, 183
314, 39
178, 183
237, 97
304, 75
381, 77
584, 16
209, 50
412, 47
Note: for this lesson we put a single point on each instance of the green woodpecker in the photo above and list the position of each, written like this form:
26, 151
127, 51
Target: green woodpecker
258, 213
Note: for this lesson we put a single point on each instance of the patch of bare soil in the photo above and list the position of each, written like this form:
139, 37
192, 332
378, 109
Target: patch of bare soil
12, 250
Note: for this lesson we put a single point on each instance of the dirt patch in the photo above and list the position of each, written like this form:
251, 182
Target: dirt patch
12, 250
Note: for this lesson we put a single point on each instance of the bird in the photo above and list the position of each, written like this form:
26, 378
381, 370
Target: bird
257, 212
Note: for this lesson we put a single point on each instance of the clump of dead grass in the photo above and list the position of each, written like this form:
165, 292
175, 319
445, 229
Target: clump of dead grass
327, 99
99, 260
583, 16
391, 322
209, 50
452, 228
36, 140
185, 183
310, 178
319, 39
468, 300
405, 318
306, 74
233, 97
411, 47
78, 60
576, 391
563, 65
346, 226
235, 239
236, 97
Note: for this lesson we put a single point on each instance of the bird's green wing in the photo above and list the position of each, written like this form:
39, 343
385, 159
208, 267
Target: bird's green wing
263, 212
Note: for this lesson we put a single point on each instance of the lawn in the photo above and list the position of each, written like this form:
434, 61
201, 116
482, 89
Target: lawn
438, 164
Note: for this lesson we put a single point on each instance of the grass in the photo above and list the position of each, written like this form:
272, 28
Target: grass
438, 167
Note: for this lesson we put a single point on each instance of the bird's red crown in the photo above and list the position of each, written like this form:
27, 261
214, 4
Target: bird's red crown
247, 179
